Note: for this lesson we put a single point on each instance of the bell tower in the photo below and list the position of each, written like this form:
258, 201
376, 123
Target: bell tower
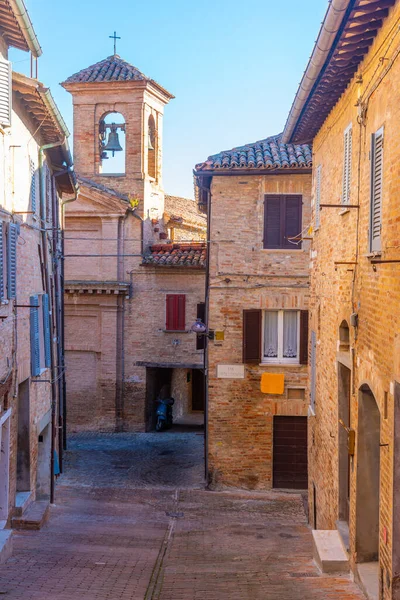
118, 119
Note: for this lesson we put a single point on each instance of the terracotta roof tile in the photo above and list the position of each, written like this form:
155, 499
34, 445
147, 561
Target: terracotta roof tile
177, 255
112, 68
184, 211
269, 153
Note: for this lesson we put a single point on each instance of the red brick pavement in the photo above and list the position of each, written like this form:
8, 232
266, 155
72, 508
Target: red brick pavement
157, 544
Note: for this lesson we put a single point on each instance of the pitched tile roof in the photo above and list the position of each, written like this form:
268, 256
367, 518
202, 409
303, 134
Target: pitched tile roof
177, 255
270, 153
112, 68
102, 188
185, 212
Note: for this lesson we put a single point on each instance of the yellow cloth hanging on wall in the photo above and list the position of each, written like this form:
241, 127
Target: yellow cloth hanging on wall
273, 383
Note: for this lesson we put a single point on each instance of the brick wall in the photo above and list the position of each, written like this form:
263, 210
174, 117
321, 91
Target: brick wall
373, 292
243, 276
15, 355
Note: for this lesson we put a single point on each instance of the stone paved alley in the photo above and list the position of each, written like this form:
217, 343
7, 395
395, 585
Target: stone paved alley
119, 532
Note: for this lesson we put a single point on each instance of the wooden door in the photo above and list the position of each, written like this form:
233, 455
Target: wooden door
198, 390
290, 453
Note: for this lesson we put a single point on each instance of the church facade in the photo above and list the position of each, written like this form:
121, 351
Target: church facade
134, 259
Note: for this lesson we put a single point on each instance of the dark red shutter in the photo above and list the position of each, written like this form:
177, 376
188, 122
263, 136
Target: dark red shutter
272, 221
201, 314
170, 312
181, 312
292, 220
175, 312
252, 336
304, 337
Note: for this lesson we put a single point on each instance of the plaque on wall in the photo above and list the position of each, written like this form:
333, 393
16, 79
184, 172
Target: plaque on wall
230, 371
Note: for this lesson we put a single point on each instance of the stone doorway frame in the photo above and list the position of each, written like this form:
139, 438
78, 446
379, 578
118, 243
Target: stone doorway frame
4, 463
344, 459
368, 477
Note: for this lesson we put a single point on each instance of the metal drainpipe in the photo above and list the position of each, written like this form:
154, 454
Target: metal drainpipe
42, 187
207, 287
62, 293
119, 367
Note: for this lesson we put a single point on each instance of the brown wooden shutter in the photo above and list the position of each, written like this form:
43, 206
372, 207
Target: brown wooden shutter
304, 337
252, 320
292, 221
201, 314
272, 221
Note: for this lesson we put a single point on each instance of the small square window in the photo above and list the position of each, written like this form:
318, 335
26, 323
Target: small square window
296, 394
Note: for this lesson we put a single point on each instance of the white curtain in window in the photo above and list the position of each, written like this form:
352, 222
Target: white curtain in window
290, 334
271, 334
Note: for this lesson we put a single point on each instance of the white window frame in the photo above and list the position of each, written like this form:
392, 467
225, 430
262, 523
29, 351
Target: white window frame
347, 163
280, 360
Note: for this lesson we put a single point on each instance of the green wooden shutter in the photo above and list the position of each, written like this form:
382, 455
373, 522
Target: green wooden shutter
346, 183
46, 330
375, 225
35, 336
12, 260
2, 259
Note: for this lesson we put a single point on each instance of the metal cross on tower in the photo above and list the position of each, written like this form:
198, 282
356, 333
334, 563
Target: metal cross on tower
115, 38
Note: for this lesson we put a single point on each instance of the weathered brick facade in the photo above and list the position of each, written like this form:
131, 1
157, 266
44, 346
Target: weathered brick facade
116, 343
244, 275
29, 206
357, 364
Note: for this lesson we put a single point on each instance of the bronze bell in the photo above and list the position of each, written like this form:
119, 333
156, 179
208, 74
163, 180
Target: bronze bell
113, 144
150, 144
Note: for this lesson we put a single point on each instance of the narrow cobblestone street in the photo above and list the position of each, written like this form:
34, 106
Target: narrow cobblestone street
119, 532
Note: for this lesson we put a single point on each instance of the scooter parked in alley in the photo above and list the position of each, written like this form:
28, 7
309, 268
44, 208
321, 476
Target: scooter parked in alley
164, 414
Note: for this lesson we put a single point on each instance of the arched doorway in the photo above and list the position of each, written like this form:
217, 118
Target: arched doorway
368, 477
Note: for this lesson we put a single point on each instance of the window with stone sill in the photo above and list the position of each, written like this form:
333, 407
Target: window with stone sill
281, 336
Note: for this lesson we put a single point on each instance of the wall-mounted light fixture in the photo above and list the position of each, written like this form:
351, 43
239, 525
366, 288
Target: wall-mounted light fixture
200, 328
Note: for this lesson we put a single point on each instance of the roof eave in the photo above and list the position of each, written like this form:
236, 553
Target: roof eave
21, 14
29, 88
82, 86
330, 27
231, 172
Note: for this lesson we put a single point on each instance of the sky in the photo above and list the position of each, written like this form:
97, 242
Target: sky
233, 66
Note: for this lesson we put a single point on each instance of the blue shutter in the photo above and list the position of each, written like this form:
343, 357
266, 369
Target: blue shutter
35, 336
2, 258
12, 260
46, 330
33, 185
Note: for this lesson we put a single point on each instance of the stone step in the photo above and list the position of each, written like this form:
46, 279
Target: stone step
5, 544
343, 529
33, 518
22, 501
328, 551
